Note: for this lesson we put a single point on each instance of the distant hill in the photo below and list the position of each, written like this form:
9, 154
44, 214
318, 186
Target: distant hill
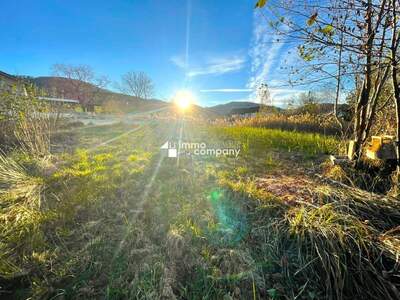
62, 87
117, 102
246, 110
345, 111
237, 107
197, 111
111, 101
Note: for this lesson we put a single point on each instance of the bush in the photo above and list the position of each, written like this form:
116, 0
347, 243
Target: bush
25, 123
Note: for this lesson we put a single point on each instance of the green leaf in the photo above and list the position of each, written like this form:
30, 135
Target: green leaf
306, 54
312, 19
328, 29
260, 3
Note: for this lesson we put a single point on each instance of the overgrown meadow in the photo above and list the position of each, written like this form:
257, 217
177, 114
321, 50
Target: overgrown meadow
106, 215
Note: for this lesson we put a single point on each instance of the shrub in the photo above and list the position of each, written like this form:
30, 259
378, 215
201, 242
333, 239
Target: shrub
25, 123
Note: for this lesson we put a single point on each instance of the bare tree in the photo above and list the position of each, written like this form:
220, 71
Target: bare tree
394, 60
263, 94
137, 84
264, 97
340, 40
81, 84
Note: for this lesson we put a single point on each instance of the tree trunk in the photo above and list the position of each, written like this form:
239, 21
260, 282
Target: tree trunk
396, 88
396, 94
338, 81
397, 102
360, 126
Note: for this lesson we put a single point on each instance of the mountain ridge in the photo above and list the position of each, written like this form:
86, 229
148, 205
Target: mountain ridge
62, 87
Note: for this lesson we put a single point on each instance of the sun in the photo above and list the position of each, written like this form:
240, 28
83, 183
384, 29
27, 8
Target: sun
184, 99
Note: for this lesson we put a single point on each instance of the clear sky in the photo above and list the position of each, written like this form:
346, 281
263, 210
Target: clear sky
217, 49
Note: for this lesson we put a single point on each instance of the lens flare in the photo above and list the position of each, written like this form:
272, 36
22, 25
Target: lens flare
232, 224
184, 99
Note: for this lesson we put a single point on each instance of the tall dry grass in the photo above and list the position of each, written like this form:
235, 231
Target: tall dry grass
26, 139
25, 122
33, 133
344, 245
305, 122
21, 195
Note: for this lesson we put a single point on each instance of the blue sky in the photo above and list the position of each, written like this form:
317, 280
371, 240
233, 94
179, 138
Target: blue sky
218, 49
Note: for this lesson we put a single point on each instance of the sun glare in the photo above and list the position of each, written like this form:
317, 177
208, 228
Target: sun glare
183, 99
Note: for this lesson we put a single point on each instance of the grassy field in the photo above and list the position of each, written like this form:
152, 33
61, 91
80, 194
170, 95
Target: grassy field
111, 217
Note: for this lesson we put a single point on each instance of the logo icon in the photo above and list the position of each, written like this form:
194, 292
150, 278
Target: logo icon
171, 149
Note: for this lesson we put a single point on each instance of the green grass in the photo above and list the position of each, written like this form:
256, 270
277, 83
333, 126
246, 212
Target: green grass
120, 221
255, 140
